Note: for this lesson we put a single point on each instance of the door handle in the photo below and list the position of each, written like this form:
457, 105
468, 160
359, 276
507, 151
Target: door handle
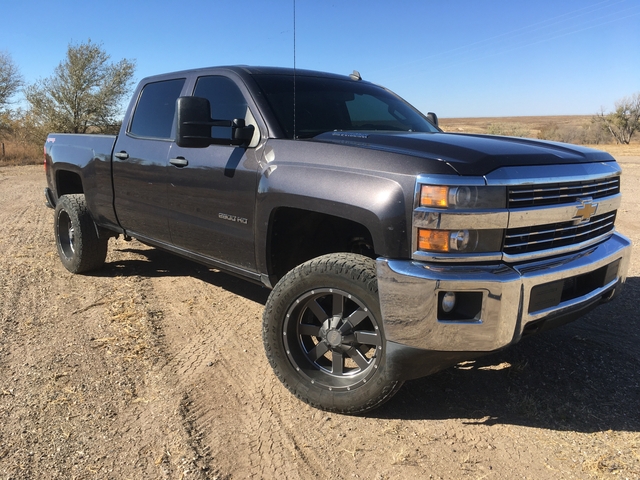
121, 155
179, 162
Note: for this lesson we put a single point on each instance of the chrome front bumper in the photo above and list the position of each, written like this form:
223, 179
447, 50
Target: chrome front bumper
409, 296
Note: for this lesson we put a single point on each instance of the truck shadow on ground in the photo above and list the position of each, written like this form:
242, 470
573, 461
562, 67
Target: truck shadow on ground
583, 376
157, 263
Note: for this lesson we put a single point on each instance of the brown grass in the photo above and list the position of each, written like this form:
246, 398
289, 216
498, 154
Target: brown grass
533, 126
15, 153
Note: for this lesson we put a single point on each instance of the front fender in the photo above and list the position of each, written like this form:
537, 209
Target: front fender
373, 201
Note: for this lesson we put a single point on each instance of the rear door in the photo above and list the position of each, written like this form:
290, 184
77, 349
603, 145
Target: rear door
140, 162
212, 191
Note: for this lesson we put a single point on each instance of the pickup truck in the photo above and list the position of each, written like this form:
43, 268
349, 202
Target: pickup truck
392, 249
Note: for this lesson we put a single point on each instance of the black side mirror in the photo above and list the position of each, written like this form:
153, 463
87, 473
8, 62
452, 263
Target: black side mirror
433, 118
193, 129
194, 125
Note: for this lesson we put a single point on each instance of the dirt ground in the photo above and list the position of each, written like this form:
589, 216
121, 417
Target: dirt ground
153, 368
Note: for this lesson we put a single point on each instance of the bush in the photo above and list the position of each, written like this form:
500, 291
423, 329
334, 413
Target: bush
586, 134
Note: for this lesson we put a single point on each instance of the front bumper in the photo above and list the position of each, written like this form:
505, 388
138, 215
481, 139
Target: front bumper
515, 299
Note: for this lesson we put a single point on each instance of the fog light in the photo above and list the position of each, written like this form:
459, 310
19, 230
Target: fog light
448, 302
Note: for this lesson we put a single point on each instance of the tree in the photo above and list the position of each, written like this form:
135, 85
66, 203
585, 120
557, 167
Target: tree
84, 93
10, 83
624, 121
10, 80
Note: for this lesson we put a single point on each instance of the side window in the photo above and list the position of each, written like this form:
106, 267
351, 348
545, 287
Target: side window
227, 102
154, 113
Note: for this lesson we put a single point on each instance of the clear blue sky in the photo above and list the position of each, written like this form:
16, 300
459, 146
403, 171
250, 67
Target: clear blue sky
465, 58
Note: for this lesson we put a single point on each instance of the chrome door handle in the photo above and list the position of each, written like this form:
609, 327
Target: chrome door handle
121, 155
179, 162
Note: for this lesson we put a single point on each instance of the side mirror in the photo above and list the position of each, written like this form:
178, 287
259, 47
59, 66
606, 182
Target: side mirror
193, 129
194, 125
433, 118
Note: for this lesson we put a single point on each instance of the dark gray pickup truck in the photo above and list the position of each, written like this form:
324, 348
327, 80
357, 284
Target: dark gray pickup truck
393, 249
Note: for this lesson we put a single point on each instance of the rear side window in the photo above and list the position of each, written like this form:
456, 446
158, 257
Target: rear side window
154, 113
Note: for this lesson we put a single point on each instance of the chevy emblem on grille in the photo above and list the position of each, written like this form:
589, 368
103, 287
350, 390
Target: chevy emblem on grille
585, 211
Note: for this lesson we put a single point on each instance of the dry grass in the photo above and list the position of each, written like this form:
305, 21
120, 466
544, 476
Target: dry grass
535, 127
15, 153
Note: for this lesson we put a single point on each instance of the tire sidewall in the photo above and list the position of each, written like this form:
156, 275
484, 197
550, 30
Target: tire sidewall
89, 249
65, 207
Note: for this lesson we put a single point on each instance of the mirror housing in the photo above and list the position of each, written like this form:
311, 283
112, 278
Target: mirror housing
194, 125
433, 118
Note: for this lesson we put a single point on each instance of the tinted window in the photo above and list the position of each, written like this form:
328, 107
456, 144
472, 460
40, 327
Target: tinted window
155, 110
327, 104
227, 101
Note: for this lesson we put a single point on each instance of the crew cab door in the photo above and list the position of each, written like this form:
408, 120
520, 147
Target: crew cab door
140, 163
212, 190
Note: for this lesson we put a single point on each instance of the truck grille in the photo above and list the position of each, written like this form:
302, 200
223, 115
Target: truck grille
543, 237
561, 193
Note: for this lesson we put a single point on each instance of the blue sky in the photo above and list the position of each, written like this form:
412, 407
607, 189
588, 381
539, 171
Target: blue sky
460, 58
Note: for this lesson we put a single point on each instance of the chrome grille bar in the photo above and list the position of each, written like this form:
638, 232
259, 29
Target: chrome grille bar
543, 237
557, 193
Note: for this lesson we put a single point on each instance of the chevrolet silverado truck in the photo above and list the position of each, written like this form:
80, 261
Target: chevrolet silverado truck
392, 249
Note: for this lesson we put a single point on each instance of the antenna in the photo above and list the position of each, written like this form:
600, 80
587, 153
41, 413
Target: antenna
294, 69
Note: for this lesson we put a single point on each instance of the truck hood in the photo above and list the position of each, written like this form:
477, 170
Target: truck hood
469, 154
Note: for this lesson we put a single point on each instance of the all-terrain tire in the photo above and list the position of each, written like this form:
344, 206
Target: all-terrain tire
80, 247
323, 335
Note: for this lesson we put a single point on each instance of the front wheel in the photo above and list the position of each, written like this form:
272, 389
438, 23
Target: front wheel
323, 334
80, 247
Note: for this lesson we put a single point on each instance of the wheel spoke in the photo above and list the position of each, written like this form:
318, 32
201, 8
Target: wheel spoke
353, 320
308, 329
317, 310
319, 350
338, 305
337, 363
357, 357
368, 338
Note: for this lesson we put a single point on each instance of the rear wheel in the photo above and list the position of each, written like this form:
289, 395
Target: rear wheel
80, 247
323, 334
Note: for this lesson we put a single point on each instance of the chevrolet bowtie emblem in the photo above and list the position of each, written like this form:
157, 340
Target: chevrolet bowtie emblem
585, 211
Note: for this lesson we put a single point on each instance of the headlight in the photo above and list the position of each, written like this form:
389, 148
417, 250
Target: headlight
459, 219
462, 197
459, 241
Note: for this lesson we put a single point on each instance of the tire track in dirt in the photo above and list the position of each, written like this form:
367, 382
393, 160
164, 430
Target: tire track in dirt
236, 405
25, 286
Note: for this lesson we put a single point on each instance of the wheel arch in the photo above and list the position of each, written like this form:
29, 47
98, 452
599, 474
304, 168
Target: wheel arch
294, 199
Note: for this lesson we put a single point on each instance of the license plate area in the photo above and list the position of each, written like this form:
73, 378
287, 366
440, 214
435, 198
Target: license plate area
552, 294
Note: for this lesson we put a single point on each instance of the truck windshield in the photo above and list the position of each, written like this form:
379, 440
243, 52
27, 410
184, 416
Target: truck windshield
328, 104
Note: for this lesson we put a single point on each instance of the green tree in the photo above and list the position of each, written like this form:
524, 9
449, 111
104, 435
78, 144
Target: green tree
624, 121
84, 93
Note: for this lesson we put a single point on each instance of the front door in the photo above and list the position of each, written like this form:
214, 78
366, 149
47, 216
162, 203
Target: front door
212, 191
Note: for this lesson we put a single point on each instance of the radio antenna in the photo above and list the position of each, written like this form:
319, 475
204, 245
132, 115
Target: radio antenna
294, 69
